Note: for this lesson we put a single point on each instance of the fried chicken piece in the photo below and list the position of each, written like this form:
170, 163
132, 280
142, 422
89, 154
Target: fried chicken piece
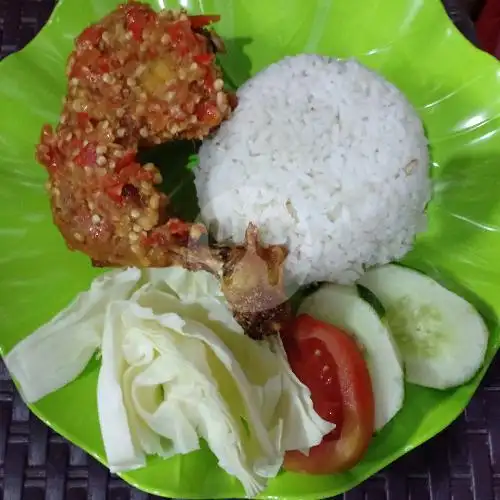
139, 78
136, 78
251, 275
252, 282
151, 75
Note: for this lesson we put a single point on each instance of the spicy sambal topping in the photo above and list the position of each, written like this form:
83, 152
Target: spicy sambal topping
135, 79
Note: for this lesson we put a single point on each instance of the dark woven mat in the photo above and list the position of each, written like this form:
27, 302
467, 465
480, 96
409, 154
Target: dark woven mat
462, 463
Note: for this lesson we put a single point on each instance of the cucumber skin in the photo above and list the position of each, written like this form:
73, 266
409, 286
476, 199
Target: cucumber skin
319, 305
422, 365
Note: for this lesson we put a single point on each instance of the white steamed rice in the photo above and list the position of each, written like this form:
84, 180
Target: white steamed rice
325, 156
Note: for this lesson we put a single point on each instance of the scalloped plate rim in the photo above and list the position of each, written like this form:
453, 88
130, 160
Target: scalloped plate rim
382, 463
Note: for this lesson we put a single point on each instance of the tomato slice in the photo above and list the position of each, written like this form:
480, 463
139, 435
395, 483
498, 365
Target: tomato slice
330, 363
204, 59
103, 66
82, 119
87, 156
138, 16
134, 172
209, 80
126, 159
115, 192
153, 239
182, 37
201, 21
207, 112
91, 36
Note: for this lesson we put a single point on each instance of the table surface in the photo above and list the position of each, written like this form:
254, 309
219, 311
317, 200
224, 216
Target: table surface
461, 463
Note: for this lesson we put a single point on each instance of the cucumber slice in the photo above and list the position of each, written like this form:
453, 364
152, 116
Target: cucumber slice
441, 337
343, 307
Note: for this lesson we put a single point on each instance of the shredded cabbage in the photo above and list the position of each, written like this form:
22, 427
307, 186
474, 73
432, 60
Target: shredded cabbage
175, 368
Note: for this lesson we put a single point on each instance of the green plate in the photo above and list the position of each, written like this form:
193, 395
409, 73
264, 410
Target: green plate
455, 88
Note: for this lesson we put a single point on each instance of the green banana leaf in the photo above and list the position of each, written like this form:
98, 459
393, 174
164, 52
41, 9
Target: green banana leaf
454, 87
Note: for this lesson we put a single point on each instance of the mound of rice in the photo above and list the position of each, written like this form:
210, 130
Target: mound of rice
325, 156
